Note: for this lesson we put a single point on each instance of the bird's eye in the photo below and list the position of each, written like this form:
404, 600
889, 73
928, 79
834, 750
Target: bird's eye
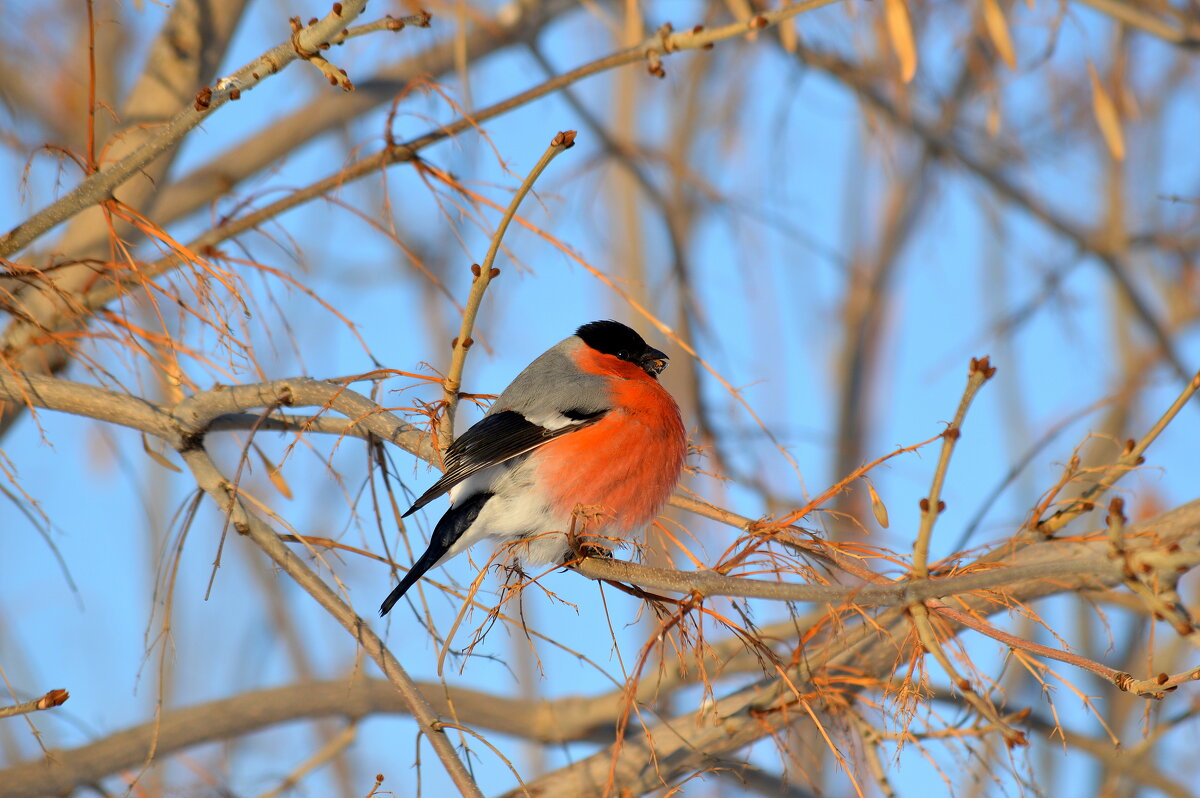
625, 354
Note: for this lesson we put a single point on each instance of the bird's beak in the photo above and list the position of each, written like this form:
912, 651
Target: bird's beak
653, 361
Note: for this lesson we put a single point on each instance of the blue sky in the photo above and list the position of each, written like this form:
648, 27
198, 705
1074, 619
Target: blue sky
769, 265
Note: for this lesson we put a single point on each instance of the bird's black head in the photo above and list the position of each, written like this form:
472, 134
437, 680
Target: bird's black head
614, 338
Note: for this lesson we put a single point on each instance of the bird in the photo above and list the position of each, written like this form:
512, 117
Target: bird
585, 437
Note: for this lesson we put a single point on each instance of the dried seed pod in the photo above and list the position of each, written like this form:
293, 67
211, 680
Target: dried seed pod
878, 507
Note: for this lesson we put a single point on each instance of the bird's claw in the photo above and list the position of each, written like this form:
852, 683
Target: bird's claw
595, 550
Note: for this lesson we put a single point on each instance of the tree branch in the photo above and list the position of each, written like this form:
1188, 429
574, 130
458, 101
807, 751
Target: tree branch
660, 44
227, 407
212, 482
101, 184
721, 727
483, 275
54, 698
561, 720
938, 143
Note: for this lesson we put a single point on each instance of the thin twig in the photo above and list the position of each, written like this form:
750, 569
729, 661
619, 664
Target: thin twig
389, 23
1130, 459
54, 698
931, 506
1146, 688
483, 276
980, 702
328, 751
499, 754
980, 372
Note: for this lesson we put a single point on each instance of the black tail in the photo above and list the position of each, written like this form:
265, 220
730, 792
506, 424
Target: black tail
448, 530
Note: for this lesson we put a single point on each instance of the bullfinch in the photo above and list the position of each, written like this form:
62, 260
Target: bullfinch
584, 437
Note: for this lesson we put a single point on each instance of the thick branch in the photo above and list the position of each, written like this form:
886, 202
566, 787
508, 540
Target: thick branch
550, 722
687, 742
223, 407
90, 401
1081, 564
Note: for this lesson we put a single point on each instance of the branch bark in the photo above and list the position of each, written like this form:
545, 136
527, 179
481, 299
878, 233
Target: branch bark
212, 482
353, 699
99, 185
688, 742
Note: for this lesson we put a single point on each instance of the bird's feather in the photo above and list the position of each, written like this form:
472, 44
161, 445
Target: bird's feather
447, 532
496, 438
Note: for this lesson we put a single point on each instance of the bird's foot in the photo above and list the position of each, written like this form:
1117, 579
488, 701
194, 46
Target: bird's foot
583, 548
595, 550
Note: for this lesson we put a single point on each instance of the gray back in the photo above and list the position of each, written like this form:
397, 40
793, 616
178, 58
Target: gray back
553, 383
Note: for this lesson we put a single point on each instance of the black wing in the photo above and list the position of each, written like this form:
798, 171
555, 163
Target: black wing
496, 438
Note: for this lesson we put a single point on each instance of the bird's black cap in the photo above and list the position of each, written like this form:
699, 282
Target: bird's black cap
614, 338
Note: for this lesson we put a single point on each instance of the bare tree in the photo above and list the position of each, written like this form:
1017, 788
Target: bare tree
873, 580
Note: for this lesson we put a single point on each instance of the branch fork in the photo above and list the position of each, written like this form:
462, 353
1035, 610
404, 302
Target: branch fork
335, 76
